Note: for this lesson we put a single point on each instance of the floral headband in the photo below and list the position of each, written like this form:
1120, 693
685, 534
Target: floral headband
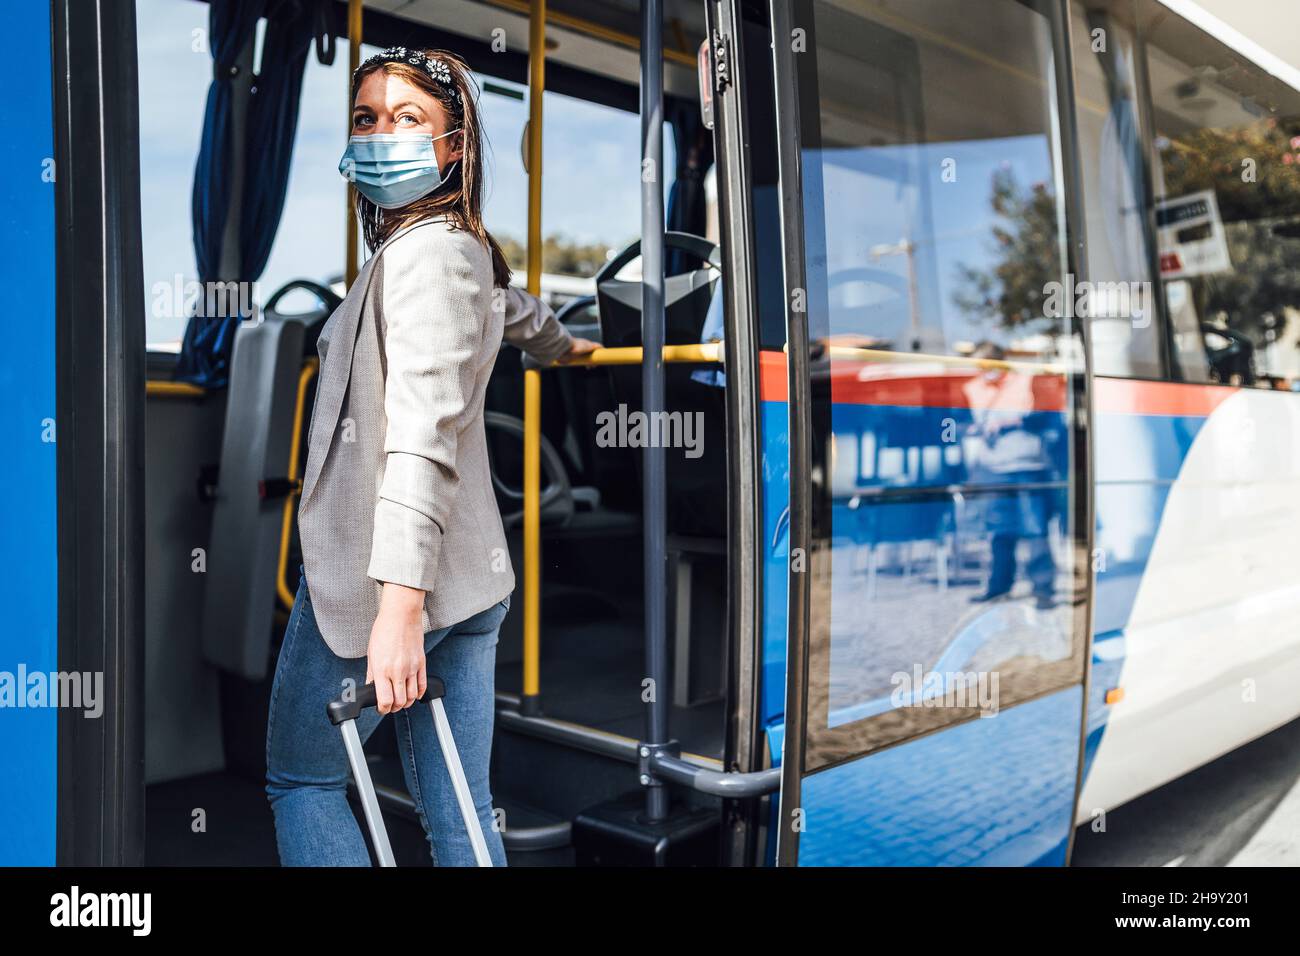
437, 69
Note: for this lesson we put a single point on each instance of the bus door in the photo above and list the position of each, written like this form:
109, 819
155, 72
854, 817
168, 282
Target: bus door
936, 529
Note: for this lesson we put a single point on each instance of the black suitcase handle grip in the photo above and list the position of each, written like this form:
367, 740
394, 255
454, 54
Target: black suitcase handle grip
344, 709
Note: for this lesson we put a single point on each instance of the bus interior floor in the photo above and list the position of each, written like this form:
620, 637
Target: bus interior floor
213, 819
237, 829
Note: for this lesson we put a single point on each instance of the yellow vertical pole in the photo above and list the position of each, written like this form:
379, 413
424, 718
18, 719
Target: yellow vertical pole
536, 86
530, 701
354, 60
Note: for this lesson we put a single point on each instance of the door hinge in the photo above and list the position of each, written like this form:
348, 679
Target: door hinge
721, 62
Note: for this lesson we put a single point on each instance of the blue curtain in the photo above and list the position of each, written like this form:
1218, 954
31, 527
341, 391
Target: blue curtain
271, 122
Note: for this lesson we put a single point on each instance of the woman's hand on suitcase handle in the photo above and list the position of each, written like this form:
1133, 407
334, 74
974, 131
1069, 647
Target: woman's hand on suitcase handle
395, 661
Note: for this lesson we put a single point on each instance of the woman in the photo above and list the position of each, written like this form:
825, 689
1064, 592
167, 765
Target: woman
405, 566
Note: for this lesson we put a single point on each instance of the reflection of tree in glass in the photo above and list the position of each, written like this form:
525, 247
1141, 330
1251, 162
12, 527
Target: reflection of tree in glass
1254, 172
1026, 257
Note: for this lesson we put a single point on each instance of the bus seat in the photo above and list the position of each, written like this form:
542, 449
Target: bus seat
697, 487
696, 520
505, 394
583, 394
314, 320
580, 509
686, 296
182, 703
557, 495
602, 479
244, 550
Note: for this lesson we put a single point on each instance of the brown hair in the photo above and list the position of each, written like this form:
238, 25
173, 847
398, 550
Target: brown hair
461, 199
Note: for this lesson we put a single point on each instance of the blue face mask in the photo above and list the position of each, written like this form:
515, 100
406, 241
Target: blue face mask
393, 169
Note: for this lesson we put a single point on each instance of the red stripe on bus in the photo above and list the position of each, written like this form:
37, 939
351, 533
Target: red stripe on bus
944, 388
1126, 396
908, 386
939, 389
773, 382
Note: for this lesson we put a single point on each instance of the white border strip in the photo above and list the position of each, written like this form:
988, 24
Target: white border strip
1238, 41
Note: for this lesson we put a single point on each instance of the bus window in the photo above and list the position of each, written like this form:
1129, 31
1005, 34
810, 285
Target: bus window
935, 226
1124, 326
310, 241
1227, 208
590, 204
174, 77
943, 220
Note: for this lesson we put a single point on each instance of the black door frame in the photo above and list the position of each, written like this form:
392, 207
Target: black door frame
799, 403
100, 375
744, 748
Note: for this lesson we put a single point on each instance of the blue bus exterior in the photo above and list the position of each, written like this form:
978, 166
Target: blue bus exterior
28, 432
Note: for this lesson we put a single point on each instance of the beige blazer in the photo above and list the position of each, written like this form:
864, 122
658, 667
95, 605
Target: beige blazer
397, 486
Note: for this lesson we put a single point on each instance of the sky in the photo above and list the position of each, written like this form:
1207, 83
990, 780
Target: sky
591, 160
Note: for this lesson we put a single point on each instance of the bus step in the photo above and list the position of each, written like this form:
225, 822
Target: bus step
615, 833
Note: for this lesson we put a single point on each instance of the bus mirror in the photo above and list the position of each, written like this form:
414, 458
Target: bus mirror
704, 62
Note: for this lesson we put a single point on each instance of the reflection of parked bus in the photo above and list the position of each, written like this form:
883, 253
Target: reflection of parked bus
956, 569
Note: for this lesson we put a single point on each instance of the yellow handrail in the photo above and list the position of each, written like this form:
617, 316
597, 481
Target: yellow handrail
631, 355
174, 389
530, 700
309, 369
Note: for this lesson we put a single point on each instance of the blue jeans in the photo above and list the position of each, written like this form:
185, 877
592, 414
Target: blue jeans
307, 768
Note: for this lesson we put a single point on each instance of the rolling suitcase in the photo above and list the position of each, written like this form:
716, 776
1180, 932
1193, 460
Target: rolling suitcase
343, 714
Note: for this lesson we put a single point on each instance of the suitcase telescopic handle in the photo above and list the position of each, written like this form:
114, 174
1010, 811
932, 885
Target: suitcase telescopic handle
344, 709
